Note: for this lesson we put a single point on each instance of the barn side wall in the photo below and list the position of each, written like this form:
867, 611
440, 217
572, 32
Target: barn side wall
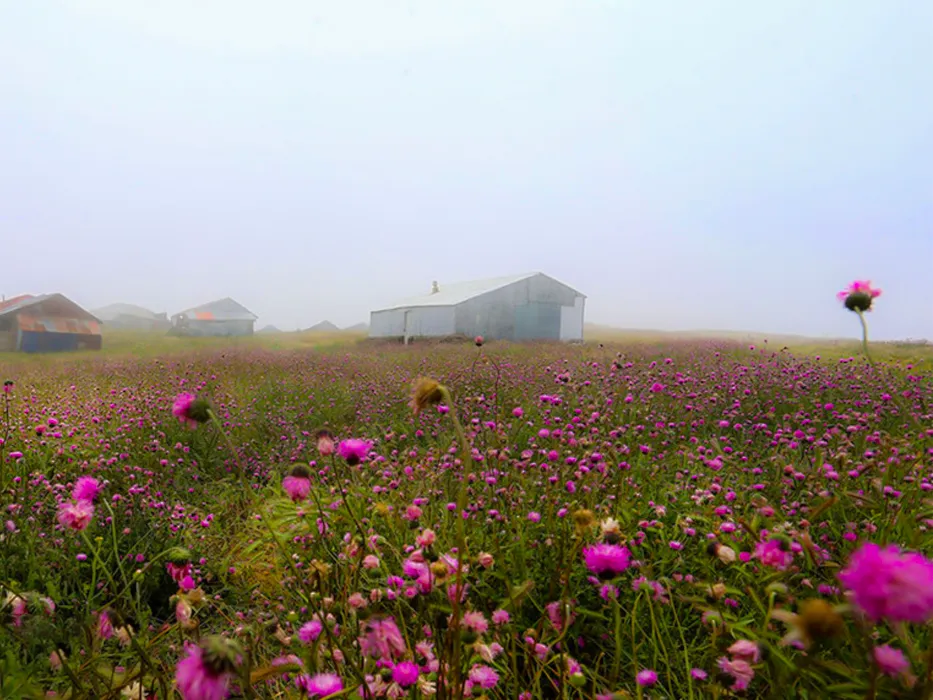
571, 320
531, 309
219, 328
415, 322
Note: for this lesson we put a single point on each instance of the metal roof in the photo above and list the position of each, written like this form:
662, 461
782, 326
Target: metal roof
457, 293
225, 309
27, 301
112, 311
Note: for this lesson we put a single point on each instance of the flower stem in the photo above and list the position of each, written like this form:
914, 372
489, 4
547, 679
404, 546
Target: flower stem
861, 318
230, 446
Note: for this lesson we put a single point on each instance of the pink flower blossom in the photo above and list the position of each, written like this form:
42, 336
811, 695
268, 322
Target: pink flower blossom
406, 673
86, 489
197, 680
740, 671
321, 685
354, 451
297, 487
888, 584
606, 560
310, 631
646, 678
75, 515
774, 553
891, 661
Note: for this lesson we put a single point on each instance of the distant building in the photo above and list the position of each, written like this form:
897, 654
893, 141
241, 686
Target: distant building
132, 317
47, 323
532, 306
223, 317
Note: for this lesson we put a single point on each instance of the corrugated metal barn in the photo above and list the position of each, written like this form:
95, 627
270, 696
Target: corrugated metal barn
223, 317
47, 323
532, 306
132, 317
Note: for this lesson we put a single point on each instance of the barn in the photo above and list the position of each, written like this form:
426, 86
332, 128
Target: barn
132, 317
223, 317
531, 306
47, 323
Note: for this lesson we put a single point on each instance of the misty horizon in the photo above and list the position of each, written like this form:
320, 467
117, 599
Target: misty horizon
685, 167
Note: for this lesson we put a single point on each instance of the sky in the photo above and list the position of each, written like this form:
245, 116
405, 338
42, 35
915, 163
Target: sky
686, 165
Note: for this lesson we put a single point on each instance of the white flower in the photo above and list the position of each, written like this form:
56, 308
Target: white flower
726, 554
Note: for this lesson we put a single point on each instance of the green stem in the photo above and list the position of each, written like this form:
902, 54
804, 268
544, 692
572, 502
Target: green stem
861, 318
230, 446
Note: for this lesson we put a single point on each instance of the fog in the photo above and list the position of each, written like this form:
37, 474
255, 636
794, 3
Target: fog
686, 165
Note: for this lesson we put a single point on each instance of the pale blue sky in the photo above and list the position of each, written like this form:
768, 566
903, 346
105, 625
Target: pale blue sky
714, 164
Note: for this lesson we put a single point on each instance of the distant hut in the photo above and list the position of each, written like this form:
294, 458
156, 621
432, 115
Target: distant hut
531, 306
132, 317
223, 317
47, 323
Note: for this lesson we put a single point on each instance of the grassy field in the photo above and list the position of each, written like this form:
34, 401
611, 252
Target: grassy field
641, 516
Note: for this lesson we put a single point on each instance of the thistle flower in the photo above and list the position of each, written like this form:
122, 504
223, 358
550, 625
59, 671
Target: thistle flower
298, 483
205, 672
646, 678
406, 673
425, 392
383, 639
606, 560
321, 685
326, 445
75, 515
891, 661
478, 341
888, 584
86, 489
858, 296
7, 386
191, 410
354, 451
739, 672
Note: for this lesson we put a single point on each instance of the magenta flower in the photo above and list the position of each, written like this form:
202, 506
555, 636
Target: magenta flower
382, 640
104, 625
191, 410
181, 409
483, 676
322, 685
858, 296
739, 670
888, 584
197, 679
354, 450
86, 489
891, 661
745, 650
75, 515
310, 631
178, 572
646, 678
606, 560
775, 553
406, 673
297, 487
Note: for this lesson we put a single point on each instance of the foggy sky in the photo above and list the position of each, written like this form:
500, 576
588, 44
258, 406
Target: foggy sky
714, 164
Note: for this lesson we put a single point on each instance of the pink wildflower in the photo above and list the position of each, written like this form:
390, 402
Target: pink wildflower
740, 671
891, 661
321, 685
484, 676
75, 516
297, 487
310, 631
606, 560
382, 640
406, 673
745, 650
86, 489
646, 678
889, 584
774, 553
199, 680
354, 451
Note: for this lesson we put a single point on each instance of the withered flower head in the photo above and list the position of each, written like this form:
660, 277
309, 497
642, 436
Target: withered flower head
818, 621
425, 392
583, 519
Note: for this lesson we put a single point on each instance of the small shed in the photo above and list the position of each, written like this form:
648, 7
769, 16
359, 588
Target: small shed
223, 317
132, 317
531, 306
47, 323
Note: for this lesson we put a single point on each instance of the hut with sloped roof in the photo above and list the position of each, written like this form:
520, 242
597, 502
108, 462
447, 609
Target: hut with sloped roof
224, 317
47, 323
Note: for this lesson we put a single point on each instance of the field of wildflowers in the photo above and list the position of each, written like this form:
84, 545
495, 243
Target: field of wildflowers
695, 520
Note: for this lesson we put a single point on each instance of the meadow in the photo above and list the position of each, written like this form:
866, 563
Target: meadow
658, 518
